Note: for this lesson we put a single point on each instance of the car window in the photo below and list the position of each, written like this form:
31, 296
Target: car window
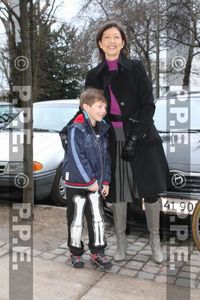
5, 109
16, 123
160, 116
7, 114
53, 117
195, 114
8, 109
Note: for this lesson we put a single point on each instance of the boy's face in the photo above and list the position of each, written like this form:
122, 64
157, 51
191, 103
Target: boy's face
96, 112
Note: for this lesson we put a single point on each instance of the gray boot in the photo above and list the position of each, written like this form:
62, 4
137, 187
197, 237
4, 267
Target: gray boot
152, 211
119, 215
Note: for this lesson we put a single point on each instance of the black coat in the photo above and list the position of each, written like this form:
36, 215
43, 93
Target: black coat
133, 91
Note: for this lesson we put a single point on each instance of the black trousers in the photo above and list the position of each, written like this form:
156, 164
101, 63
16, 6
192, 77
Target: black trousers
84, 203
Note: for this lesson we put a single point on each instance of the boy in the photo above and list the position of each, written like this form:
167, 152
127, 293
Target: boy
87, 174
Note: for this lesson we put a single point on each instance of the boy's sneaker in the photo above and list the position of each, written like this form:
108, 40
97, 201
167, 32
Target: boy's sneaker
76, 261
101, 260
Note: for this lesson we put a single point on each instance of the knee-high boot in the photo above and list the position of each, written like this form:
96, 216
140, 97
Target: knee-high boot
119, 215
152, 211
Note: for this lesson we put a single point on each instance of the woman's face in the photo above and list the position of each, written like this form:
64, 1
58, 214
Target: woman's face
111, 43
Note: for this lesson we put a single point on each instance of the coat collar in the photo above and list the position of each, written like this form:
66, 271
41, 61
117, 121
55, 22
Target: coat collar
102, 126
123, 62
82, 119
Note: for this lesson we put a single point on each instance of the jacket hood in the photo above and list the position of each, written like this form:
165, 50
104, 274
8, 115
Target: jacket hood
83, 120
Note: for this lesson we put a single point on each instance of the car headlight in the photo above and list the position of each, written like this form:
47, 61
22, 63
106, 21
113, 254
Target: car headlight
37, 166
14, 167
18, 167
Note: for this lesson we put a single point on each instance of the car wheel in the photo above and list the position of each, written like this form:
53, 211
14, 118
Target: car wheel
196, 225
58, 192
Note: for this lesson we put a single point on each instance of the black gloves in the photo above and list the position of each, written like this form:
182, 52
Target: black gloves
128, 151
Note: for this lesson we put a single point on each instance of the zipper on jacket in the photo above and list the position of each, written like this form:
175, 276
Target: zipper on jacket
101, 178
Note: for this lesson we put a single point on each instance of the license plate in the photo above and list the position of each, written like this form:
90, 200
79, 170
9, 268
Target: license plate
178, 206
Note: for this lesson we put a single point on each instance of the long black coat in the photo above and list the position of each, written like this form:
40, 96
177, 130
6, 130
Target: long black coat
133, 91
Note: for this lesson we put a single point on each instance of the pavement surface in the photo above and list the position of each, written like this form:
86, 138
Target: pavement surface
138, 277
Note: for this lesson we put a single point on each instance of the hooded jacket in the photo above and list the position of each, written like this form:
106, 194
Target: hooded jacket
87, 158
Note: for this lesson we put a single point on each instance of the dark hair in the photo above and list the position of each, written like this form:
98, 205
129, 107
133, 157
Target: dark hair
91, 95
109, 25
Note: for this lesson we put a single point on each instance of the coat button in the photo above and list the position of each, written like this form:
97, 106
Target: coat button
122, 103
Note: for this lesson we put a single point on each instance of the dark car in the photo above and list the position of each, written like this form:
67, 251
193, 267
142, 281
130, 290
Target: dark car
7, 113
177, 119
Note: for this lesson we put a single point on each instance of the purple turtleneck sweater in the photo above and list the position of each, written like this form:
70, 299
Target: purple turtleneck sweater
114, 106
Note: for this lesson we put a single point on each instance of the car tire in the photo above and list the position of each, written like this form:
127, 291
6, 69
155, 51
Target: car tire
196, 225
58, 193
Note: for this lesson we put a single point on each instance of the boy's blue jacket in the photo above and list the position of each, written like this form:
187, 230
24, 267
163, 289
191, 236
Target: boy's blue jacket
87, 158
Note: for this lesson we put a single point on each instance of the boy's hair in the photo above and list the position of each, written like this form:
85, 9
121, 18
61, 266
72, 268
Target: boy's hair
91, 95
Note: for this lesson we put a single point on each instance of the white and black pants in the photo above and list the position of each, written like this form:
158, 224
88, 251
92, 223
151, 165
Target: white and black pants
82, 202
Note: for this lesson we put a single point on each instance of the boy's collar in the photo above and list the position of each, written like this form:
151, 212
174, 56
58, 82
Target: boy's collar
85, 115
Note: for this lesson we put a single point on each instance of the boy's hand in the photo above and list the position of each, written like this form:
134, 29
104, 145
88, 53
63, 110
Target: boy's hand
94, 188
105, 191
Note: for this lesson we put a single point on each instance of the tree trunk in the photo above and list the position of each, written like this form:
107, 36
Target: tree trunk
188, 67
28, 191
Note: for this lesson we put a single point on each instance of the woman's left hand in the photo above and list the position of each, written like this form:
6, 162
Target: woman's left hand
128, 151
105, 191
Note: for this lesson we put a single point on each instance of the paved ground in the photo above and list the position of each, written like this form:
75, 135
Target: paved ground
49, 244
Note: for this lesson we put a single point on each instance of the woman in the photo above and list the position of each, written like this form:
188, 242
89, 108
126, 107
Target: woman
139, 167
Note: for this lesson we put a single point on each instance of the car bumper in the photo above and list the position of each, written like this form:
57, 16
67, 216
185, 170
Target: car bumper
42, 186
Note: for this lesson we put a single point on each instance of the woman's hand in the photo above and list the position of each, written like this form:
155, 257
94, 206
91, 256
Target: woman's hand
94, 188
128, 151
105, 191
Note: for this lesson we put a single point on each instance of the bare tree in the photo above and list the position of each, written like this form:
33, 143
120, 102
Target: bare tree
4, 66
40, 19
10, 18
183, 18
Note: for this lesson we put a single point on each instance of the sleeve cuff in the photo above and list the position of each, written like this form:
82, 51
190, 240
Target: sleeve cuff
105, 182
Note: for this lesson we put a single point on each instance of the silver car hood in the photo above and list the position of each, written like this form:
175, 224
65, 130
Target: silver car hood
44, 144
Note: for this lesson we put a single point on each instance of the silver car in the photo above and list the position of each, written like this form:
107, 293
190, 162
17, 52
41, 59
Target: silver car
49, 117
7, 112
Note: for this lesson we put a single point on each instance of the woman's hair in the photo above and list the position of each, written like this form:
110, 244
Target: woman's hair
91, 95
109, 25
